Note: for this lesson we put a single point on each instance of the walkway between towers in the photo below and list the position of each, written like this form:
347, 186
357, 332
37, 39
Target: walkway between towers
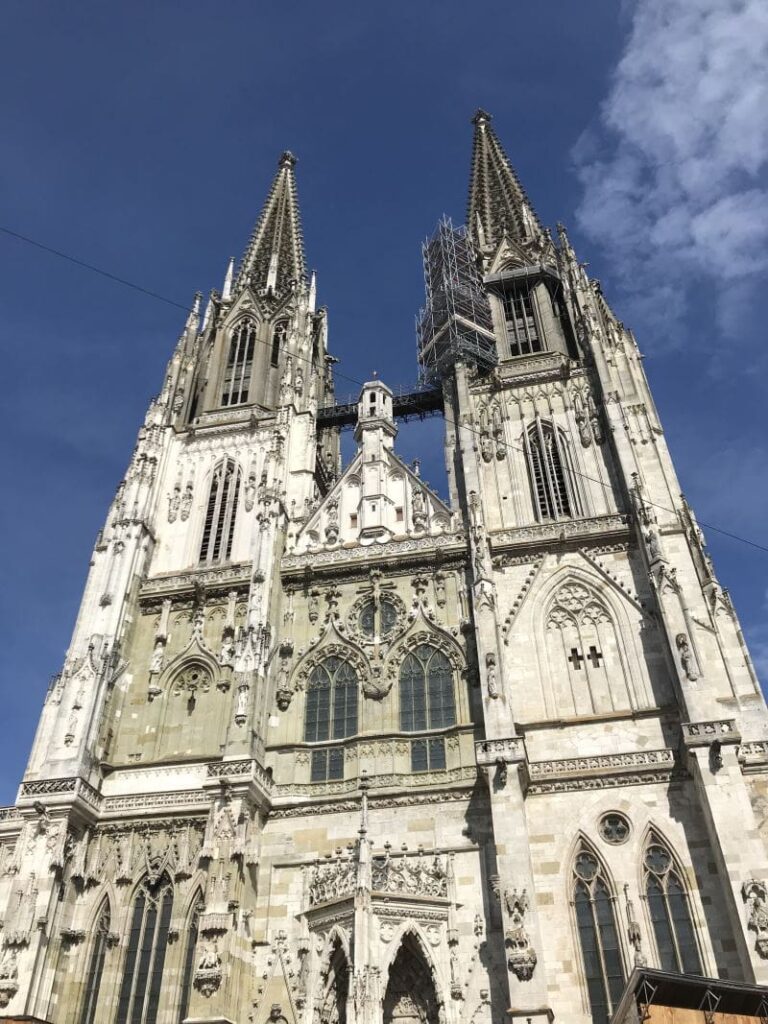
405, 405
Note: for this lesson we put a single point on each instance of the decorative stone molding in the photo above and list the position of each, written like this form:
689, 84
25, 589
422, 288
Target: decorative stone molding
62, 787
521, 956
441, 796
704, 734
181, 799
601, 771
378, 553
753, 756
211, 579
332, 881
755, 895
554, 533
413, 876
489, 752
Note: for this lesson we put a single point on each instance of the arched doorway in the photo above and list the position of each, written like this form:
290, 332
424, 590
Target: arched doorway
410, 997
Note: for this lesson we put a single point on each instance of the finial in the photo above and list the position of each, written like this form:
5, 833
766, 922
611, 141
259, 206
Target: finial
226, 291
287, 159
312, 292
194, 312
207, 316
481, 117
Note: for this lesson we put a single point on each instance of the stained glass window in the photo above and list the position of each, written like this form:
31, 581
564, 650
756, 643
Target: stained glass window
598, 935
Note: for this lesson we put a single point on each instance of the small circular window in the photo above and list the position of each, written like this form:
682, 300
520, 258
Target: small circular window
377, 621
614, 828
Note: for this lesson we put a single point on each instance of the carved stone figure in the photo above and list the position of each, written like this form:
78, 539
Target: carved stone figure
186, 501
490, 675
9, 975
486, 448
332, 522
208, 973
521, 956
687, 659
158, 656
755, 895
418, 509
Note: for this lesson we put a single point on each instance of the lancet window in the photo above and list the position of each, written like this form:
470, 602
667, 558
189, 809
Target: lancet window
96, 965
331, 714
598, 936
219, 526
143, 969
426, 702
670, 911
237, 373
410, 997
278, 342
551, 476
189, 957
522, 329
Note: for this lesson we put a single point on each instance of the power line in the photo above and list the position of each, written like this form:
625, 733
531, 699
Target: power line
338, 373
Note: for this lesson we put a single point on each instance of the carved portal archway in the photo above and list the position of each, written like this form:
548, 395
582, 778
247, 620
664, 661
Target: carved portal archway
333, 1007
410, 997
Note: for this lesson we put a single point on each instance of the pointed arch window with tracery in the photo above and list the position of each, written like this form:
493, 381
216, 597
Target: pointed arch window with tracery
598, 935
551, 473
147, 941
669, 910
427, 701
588, 659
221, 513
237, 372
189, 956
279, 334
330, 714
96, 965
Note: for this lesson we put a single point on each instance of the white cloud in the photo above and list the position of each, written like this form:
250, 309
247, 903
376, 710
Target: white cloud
675, 173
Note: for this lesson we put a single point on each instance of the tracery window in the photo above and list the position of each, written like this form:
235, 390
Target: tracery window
551, 478
378, 619
331, 714
237, 373
522, 328
219, 527
96, 965
147, 941
598, 936
278, 342
426, 702
670, 911
189, 957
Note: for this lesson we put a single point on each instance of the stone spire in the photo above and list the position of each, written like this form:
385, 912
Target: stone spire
275, 253
498, 204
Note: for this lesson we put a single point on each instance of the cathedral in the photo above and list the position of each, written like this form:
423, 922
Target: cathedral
330, 748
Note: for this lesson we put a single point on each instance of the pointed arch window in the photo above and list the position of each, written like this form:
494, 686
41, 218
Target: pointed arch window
279, 335
147, 942
551, 475
670, 911
331, 714
219, 526
410, 996
193, 932
237, 372
598, 936
96, 965
426, 702
520, 315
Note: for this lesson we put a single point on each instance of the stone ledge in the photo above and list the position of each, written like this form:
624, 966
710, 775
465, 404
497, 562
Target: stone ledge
703, 734
490, 752
600, 771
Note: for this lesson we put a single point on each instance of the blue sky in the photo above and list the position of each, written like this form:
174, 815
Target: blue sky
142, 138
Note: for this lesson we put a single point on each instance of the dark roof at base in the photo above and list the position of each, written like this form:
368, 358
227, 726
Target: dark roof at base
647, 987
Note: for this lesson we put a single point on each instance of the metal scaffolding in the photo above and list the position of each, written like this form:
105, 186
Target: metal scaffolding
456, 321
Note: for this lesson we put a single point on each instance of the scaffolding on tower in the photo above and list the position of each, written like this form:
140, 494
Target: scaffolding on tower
455, 324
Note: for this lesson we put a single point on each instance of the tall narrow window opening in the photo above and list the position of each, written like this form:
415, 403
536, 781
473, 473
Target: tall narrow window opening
96, 966
237, 373
522, 329
331, 714
219, 526
426, 702
552, 483
598, 935
143, 969
278, 342
670, 911
189, 957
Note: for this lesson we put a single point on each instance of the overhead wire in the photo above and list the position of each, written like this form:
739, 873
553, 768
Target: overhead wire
338, 373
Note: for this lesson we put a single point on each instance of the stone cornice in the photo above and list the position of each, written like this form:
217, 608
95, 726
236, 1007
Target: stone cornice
227, 577
703, 734
600, 771
412, 551
543, 535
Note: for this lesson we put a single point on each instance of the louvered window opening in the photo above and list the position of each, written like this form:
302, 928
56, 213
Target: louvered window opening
143, 970
96, 967
522, 329
189, 959
426, 702
598, 936
546, 459
278, 341
237, 373
670, 912
220, 515
331, 714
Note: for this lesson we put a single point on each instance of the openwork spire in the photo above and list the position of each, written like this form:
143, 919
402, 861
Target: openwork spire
498, 204
275, 253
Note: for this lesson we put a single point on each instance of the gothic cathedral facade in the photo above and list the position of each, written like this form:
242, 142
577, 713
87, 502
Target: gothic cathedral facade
327, 747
